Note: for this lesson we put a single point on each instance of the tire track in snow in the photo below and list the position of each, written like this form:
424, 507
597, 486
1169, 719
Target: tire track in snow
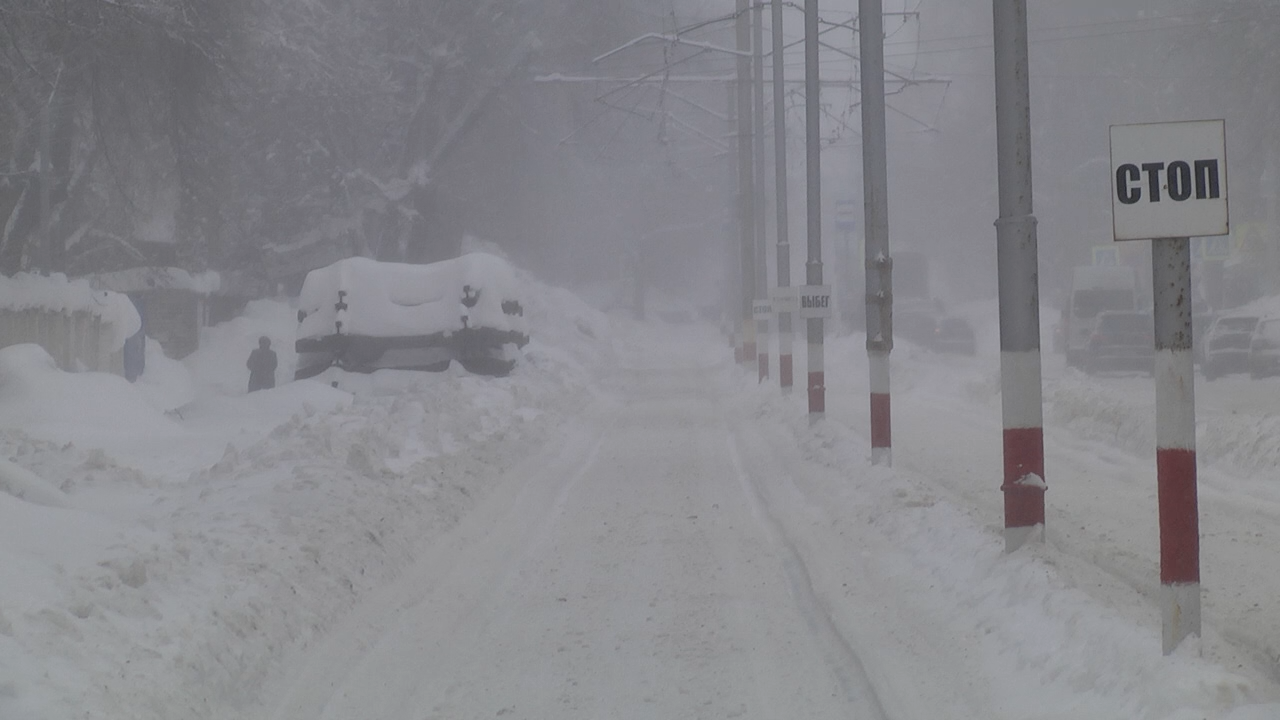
388, 616
841, 658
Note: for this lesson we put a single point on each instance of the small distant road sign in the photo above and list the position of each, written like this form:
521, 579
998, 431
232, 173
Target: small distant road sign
761, 309
1217, 247
1169, 180
785, 299
846, 217
1106, 255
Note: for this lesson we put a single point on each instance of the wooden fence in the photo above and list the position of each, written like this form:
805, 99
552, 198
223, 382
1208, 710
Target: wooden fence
79, 341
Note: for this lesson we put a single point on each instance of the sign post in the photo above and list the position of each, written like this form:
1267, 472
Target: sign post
1169, 182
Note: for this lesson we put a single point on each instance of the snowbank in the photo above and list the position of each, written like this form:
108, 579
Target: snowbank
166, 547
1049, 649
38, 398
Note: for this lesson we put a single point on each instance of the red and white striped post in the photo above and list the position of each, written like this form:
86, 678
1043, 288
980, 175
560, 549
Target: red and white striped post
875, 191
746, 178
785, 336
813, 205
761, 294
1019, 291
1176, 442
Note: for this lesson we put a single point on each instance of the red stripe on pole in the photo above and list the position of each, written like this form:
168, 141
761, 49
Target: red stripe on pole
1023, 456
817, 393
1179, 516
881, 429
762, 362
784, 370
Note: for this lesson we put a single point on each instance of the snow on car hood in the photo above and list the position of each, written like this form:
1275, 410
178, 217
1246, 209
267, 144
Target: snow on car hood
396, 299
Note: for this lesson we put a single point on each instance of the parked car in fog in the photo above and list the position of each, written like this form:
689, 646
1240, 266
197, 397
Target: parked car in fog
1094, 289
1264, 349
362, 315
1122, 340
1226, 345
954, 335
916, 319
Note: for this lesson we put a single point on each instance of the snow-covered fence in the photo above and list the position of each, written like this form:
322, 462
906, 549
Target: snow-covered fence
82, 329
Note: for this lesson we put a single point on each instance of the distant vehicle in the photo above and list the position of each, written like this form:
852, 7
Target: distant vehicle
1122, 340
955, 335
916, 319
1094, 289
1226, 345
1264, 349
363, 315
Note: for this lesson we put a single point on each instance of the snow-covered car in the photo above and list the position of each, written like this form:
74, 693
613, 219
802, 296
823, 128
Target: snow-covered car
1122, 340
1264, 349
1226, 345
363, 315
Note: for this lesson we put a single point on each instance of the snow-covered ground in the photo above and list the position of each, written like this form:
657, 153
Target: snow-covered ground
627, 526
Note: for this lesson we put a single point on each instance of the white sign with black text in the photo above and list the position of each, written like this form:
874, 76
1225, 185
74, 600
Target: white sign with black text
1169, 180
815, 301
785, 299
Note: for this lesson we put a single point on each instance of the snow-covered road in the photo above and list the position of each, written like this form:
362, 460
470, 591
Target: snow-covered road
637, 571
627, 527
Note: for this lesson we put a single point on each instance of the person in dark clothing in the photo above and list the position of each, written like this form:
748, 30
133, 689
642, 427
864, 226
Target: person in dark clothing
262, 366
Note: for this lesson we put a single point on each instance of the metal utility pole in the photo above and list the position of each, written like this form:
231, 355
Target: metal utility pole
736, 290
785, 337
1019, 291
875, 193
757, 122
813, 204
746, 178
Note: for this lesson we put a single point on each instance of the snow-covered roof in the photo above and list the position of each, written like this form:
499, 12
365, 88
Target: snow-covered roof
55, 293
155, 278
398, 300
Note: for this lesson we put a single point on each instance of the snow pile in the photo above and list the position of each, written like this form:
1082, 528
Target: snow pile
166, 547
38, 398
1096, 411
56, 294
1049, 649
376, 299
225, 347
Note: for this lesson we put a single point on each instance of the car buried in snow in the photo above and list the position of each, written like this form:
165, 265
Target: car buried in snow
363, 315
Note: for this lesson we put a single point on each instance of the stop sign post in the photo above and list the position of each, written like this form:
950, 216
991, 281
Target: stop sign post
1169, 182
